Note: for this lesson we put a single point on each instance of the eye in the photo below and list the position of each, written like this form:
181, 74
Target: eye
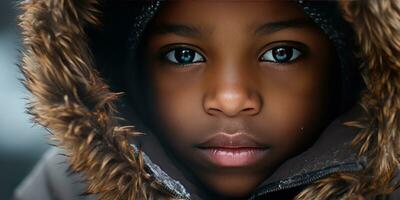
184, 56
281, 55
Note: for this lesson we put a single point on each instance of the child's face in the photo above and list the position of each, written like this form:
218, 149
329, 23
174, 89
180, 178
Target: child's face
238, 87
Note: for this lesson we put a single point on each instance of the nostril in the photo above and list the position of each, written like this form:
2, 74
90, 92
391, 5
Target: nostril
249, 111
213, 111
232, 104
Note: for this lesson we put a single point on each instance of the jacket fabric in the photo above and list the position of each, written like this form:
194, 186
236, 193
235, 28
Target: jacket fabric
67, 48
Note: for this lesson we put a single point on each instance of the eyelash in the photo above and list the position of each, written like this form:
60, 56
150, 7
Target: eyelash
271, 55
171, 57
196, 57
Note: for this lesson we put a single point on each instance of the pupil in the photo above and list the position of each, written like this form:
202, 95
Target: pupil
282, 54
184, 55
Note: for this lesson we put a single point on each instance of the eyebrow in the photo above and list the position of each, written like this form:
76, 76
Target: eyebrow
193, 31
177, 29
272, 27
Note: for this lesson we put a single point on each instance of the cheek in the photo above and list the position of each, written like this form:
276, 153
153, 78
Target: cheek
177, 100
294, 103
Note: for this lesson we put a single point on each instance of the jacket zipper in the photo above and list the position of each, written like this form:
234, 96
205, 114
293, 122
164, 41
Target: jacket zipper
344, 168
173, 193
164, 188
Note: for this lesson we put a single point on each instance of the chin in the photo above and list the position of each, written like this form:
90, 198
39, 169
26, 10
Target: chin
232, 186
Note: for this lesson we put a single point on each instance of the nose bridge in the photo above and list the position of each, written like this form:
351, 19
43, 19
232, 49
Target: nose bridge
232, 82
232, 90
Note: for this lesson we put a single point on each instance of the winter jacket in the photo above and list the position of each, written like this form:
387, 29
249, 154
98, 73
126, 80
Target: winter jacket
68, 43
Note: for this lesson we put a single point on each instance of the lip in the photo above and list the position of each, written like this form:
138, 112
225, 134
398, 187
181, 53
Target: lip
233, 157
232, 150
236, 140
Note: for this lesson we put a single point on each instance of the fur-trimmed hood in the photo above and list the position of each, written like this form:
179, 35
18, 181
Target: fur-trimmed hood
72, 100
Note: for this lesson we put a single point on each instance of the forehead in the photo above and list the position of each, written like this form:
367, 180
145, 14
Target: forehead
208, 14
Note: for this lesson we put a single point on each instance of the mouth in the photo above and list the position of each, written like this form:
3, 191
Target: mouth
232, 150
233, 157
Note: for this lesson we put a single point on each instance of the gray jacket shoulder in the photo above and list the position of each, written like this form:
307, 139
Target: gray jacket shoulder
395, 195
50, 180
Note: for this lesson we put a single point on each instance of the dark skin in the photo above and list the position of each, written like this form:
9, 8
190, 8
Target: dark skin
237, 66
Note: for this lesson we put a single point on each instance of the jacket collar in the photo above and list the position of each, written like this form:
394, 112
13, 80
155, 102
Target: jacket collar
332, 152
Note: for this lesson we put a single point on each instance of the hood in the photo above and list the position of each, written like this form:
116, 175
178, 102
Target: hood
64, 71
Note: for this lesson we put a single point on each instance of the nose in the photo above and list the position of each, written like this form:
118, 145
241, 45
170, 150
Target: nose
232, 96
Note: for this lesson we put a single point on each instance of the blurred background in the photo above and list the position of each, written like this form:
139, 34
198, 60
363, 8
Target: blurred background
21, 142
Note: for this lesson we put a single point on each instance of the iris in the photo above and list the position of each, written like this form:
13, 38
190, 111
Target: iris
184, 56
282, 54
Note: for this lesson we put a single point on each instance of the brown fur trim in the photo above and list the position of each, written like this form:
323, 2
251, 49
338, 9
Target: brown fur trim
336, 186
72, 101
377, 27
